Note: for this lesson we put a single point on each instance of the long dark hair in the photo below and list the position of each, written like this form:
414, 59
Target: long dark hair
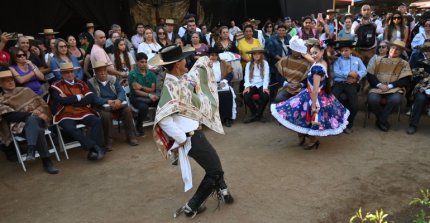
327, 87
117, 53
392, 26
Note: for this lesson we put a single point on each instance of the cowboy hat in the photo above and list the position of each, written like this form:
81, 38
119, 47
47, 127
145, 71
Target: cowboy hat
66, 67
99, 64
398, 43
5, 74
48, 32
256, 50
170, 54
213, 50
298, 45
90, 24
170, 21
255, 21
338, 44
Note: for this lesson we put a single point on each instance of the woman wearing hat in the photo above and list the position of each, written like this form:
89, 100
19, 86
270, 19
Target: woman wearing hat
184, 105
257, 78
223, 72
314, 112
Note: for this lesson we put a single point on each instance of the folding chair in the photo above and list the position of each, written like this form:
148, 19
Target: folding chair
135, 110
21, 157
65, 146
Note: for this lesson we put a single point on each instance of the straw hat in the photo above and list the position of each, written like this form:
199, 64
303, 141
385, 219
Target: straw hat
330, 11
255, 21
170, 21
90, 24
99, 64
48, 32
171, 54
256, 50
312, 42
298, 45
398, 43
66, 67
5, 74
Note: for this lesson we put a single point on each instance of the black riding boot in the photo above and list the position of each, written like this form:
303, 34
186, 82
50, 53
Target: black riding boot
48, 166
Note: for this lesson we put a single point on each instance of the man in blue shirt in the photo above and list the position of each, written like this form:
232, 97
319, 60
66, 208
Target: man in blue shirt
348, 70
110, 101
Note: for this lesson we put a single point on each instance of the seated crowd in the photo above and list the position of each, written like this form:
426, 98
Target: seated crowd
102, 78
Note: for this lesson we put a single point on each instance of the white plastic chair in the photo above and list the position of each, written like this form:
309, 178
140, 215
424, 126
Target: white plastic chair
65, 146
21, 157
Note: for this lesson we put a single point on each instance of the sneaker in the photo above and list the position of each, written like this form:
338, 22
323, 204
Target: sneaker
408, 113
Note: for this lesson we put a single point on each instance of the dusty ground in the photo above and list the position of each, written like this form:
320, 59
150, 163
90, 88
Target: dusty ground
272, 179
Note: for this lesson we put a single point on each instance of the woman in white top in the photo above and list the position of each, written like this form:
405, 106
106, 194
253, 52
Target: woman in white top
396, 28
257, 79
122, 59
149, 46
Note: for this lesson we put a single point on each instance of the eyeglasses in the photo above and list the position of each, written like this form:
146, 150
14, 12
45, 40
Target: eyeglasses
62, 46
383, 46
20, 55
269, 26
161, 33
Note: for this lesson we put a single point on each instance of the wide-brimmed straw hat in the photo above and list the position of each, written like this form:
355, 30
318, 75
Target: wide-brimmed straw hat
48, 32
99, 64
255, 21
298, 45
5, 74
398, 43
171, 54
66, 67
330, 11
256, 50
170, 21
90, 24
312, 42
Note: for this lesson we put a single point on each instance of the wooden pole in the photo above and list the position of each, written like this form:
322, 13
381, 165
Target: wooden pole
334, 4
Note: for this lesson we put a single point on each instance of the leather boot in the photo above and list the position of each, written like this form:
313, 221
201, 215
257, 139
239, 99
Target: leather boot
30, 153
48, 166
100, 152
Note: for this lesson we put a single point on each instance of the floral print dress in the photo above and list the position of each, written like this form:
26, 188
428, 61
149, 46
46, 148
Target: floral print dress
295, 113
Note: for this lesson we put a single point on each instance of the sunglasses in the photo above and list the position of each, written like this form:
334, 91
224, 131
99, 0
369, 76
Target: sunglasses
63, 46
162, 33
269, 26
20, 55
383, 46
397, 18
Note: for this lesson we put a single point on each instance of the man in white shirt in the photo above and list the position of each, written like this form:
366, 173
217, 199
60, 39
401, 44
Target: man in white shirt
138, 37
178, 116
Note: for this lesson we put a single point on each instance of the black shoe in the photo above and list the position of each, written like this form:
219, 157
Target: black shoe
139, 131
224, 195
92, 155
411, 130
383, 126
48, 166
250, 119
310, 146
30, 154
99, 151
189, 212
228, 122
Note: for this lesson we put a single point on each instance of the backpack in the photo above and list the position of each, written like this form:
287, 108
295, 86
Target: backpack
366, 35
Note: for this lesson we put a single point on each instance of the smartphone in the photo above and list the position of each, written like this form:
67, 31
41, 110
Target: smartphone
320, 17
13, 35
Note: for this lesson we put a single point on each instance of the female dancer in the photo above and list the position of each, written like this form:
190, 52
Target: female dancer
314, 111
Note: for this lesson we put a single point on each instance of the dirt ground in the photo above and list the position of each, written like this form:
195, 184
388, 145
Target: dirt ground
271, 178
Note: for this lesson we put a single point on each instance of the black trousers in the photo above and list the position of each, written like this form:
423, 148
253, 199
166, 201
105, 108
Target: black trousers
206, 156
96, 133
382, 112
225, 104
351, 100
419, 104
264, 99
142, 104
